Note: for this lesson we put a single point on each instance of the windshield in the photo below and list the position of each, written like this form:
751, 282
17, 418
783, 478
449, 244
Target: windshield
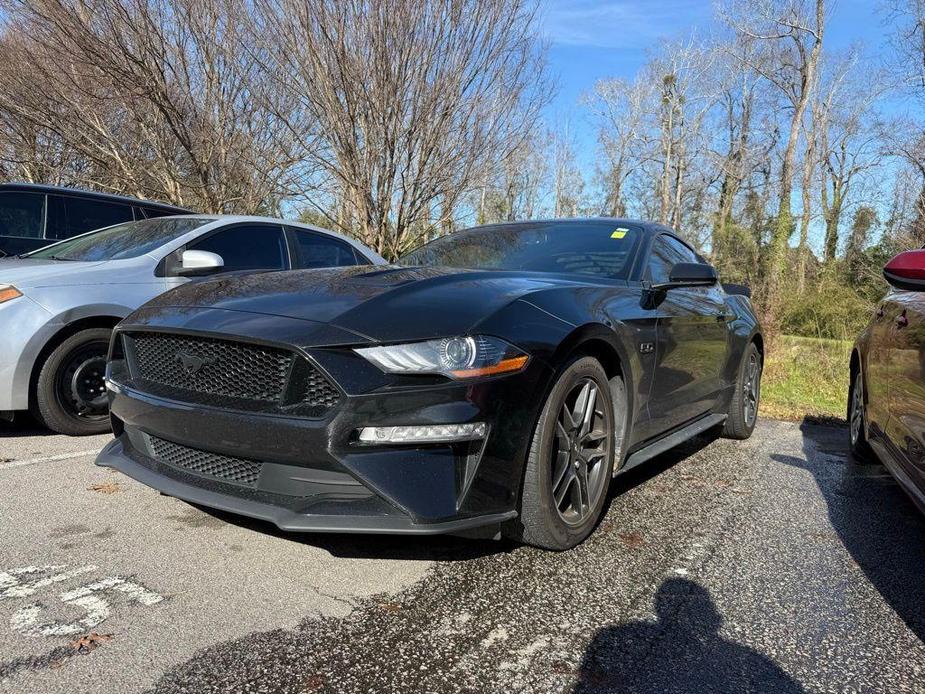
128, 240
600, 248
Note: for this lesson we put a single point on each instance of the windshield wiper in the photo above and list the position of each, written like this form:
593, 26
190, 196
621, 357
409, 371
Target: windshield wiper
58, 257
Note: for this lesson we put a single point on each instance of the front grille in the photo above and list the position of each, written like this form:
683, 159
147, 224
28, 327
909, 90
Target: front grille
235, 470
225, 373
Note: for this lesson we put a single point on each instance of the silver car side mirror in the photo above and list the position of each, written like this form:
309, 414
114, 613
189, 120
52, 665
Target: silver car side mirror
198, 263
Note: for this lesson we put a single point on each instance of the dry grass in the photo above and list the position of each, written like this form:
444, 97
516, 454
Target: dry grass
805, 376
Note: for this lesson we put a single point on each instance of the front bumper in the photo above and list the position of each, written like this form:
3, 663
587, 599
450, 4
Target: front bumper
313, 473
285, 518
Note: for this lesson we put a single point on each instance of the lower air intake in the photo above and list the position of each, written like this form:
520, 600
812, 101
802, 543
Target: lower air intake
224, 467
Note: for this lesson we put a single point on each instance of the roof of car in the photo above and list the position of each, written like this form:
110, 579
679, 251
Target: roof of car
646, 225
42, 188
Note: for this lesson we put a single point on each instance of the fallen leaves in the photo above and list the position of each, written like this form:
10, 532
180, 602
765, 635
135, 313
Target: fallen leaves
105, 487
632, 540
90, 642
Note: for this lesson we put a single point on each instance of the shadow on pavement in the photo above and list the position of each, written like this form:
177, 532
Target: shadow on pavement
358, 546
681, 651
656, 466
447, 547
877, 523
23, 425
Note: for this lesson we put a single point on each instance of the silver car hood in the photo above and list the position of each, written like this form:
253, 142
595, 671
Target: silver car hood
26, 273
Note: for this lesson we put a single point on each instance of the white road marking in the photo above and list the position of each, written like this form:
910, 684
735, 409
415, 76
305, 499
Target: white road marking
96, 609
47, 459
14, 588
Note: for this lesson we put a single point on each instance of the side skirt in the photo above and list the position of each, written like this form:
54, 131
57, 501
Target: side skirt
680, 436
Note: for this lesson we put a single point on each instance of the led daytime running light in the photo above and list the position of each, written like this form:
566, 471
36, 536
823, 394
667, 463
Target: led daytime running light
427, 433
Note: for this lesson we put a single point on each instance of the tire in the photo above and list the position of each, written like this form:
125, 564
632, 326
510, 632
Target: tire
743, 408
70, 396
581, 456
857, 435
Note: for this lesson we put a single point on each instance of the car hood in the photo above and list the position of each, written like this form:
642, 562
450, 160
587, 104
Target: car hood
26, 273
383, 304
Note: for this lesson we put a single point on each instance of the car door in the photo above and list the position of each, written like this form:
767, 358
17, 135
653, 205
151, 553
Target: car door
905, 427
692, 343
315, 250
878, 365
250, 246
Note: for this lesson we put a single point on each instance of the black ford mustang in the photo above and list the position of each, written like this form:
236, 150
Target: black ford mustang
496, 379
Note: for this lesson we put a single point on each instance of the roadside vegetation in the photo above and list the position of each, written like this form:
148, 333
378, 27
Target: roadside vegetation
794, 164
806, 377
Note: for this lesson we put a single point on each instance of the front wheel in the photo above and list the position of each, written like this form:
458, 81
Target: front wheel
743, 408
70, 394
571, 460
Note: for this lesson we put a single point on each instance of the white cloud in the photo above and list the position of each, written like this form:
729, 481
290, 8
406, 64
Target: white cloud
619, 23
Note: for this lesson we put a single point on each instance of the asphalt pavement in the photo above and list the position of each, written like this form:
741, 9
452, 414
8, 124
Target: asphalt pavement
770, 565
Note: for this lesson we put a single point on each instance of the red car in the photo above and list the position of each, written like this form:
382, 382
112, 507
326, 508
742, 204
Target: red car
886, 399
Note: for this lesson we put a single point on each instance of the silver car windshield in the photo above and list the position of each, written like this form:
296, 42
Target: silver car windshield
128, 240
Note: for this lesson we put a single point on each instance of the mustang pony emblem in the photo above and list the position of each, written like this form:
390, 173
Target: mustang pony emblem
191, 363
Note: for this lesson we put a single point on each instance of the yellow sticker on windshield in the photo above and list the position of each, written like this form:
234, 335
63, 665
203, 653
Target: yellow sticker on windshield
619, 233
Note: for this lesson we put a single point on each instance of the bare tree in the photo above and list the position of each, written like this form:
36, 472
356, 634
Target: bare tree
159, 95
568, 184
620, 109
515, 189
848, 140
792, 31
406, 103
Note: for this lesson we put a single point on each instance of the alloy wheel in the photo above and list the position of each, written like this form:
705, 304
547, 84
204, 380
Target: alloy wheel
856, 415
582, 448
751, 389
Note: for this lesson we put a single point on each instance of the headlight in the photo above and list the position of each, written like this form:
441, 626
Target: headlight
456, 357
8, 292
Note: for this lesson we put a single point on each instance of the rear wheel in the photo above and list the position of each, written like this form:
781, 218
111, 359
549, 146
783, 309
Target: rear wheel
743, 409
70, 394
857, 436
571, 460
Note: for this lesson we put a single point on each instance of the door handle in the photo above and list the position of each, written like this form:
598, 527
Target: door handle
901, 320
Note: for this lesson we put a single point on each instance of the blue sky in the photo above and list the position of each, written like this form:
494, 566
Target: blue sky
593, 39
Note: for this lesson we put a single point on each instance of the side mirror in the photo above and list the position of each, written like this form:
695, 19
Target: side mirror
907, 271
689, 275
199, 263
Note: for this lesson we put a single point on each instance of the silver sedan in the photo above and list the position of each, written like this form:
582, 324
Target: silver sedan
59, 304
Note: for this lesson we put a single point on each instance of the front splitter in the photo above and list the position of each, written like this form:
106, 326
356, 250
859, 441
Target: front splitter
114, 456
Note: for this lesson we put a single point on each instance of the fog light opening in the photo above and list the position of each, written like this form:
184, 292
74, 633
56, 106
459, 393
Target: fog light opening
428, 433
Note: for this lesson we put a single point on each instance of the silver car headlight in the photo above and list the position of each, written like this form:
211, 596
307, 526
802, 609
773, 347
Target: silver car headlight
467, 356
8, 292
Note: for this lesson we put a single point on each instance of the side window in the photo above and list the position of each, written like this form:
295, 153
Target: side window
666, 252
247, 247
85, 214
22, 214
317, 250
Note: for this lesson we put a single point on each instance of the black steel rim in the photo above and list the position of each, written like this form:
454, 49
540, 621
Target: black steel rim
581, 450
752, 389
80, 385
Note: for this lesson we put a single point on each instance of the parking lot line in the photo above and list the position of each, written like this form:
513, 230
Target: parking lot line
47, 459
